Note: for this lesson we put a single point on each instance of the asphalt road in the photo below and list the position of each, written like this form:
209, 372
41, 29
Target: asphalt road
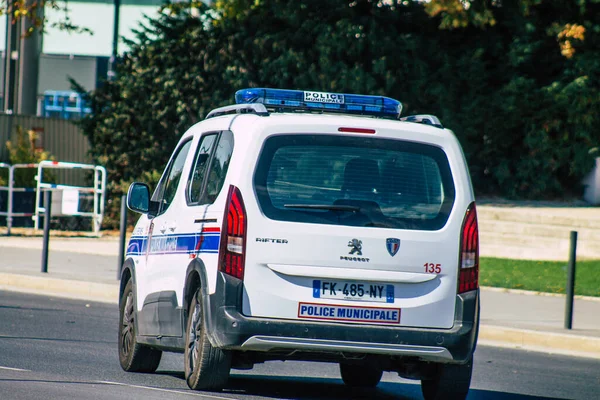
63, 349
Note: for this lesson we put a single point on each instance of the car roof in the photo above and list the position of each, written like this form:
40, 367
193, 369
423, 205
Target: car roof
296, 122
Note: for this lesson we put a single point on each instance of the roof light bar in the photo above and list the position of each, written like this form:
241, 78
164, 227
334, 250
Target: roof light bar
291, 100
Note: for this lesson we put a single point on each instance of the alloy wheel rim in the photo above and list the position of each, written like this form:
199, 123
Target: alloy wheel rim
194, 335
127, 327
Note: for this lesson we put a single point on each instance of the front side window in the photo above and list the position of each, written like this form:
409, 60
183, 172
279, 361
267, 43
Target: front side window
354, 181
167, 187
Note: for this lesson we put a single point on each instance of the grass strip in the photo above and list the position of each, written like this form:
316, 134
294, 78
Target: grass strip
540, 276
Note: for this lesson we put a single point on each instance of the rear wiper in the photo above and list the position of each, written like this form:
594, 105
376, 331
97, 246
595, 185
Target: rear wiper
331, 207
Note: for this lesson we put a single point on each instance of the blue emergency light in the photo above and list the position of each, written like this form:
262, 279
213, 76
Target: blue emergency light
300, 100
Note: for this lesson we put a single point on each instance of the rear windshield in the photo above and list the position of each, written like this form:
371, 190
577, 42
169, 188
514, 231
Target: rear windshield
354, 181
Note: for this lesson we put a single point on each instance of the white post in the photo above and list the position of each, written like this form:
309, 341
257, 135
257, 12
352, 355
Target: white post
102, 192
36, 215
96, 215
11, 182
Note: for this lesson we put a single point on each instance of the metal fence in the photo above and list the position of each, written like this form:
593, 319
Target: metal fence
61, 138
70, 200
71, 206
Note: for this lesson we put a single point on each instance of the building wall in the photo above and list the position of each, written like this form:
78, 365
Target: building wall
55, 71
82, 56
61, 138
99, 17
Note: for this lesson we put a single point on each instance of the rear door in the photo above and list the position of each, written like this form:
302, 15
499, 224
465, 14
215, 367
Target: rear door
206, 198
352, 229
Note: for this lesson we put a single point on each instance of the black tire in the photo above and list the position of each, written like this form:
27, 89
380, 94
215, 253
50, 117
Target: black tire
360, 375
451, 382
206, 367
133, 356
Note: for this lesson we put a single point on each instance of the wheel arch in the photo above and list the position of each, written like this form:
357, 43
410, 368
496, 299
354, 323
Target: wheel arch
195, 277
127, 272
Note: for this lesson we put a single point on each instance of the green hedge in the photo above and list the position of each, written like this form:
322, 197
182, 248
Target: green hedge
523, 102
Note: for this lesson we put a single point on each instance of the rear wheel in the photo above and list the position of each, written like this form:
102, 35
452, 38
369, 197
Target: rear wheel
206, 367
133, 356
360, 375
451, 382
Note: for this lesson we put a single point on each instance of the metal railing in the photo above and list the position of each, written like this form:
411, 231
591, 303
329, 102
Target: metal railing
98, 190
12, 189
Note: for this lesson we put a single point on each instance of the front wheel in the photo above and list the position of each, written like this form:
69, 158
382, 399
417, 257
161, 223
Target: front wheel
133, 356
360, 375
450, 382
206, 367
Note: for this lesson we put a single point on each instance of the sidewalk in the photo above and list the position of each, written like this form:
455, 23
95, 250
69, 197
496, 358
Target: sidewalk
86, 269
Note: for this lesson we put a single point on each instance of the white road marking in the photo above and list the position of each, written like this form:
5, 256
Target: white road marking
15, 369
202, 395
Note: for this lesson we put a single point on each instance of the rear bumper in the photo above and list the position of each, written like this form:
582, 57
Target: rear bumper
228, 328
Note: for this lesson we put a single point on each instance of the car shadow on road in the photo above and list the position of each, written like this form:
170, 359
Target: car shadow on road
331, 388
493, 395
283, 387
293, 387
174, 374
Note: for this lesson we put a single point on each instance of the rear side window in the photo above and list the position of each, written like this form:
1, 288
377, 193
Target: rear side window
199, 169
219, 166
354, 181
210, 168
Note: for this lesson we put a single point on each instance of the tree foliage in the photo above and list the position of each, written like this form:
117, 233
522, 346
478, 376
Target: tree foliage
516, 80
31, 13
24, 151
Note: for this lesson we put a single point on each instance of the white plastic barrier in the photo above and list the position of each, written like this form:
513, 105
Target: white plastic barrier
69, 194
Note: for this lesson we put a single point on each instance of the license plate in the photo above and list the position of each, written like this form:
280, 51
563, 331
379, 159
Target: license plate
347, 290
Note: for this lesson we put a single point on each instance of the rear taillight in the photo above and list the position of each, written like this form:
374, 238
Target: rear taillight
469, 252
233, 235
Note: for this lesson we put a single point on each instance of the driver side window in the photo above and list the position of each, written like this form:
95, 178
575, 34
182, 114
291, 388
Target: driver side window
167, 187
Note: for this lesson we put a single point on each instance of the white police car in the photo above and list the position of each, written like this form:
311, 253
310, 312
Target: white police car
307, 226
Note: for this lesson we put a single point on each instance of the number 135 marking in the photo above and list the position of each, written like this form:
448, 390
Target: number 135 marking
432, 268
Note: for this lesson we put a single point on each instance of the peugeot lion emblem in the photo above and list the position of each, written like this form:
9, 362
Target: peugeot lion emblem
393, 245
356, 247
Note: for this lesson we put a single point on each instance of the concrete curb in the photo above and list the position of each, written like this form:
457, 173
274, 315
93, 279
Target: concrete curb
548, 342
534, 293
69, 289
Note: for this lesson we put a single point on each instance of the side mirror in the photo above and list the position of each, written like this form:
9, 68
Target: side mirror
138, 197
